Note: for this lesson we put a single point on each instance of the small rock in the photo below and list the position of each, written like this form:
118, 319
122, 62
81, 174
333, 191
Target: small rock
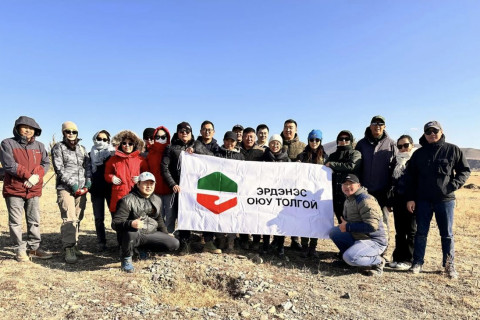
263, 317
245, 314
272, 310
292, 294
211, 314
241, 257
257, 259
346, 296
287, 305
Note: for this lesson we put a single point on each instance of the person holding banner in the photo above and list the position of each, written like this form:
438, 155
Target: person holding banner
315, 154
361, 236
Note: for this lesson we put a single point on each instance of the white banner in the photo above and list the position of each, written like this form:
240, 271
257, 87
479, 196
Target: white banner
231, 196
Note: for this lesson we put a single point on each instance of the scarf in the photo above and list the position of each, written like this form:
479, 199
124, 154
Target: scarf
99, 153
401, 158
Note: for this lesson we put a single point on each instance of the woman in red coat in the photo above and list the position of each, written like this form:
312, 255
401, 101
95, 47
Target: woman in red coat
123, 169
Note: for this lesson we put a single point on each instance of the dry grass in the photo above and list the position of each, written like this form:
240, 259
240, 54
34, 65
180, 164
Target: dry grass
202, 286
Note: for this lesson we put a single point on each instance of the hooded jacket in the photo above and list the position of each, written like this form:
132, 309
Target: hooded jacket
435, 171
153, 163
170, 162
377, 156
234, 154
124, 166
293, 147
22, 159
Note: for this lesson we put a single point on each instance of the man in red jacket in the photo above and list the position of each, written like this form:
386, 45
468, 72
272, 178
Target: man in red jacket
25, 161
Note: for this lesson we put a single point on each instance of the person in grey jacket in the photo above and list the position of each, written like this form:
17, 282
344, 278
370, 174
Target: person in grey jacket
72, 167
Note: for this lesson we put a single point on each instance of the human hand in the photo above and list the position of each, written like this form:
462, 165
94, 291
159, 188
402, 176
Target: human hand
116, 180
343, 225
189, 150
176, 188
34, 178
411, 206
137, 224
135, 179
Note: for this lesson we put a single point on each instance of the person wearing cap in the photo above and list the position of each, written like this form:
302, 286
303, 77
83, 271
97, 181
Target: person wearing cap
262, 135
275, 153
72, 167
170, 168
343, 161
100, 191
26, 162
378, 151
434, 173
148, 139
361, 237
313, 153
139, 221
238, 130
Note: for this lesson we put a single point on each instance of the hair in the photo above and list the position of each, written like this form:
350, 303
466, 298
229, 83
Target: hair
262, 126
106, 133
403, 136
207, 122
319, 155
248, 130
290, 121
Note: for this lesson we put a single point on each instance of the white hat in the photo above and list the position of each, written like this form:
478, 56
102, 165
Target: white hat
276, 137
145, 176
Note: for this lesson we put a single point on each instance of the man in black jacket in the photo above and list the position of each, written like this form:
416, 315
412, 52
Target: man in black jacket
139, 222
434, 173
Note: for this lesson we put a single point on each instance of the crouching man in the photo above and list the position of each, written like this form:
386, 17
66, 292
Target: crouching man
139, 222
361, 236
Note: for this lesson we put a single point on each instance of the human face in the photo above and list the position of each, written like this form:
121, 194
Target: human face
431, 136
349, 188
262, 135
229, 144
249, 140
149, 140
161, 136
239, 134
127, 146
146, 188
342, 140
377, 127
70, 134
402, 143
26, 131
275, 146
314, 143
289, 131
207, 132
185, 135
102, 136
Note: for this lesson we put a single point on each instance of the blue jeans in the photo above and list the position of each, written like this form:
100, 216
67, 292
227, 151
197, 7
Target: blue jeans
357, 253
168, 213
444, 216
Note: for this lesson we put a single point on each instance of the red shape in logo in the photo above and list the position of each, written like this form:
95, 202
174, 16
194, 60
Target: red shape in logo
208, 201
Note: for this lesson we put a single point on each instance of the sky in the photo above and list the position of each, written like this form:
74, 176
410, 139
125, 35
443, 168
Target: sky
330, 65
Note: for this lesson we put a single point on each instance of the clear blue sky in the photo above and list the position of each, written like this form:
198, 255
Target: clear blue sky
330, 65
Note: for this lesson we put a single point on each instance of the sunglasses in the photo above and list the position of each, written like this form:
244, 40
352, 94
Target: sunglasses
70, 131
208, 130
101, 139
127, 143
314, 140
184, 131
430, 130
377, 124
161, 137
401, 146
343, 139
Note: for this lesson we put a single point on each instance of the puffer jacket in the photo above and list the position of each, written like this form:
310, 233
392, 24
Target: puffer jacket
293, 147
377, 156
436, 171
170, 161
269, 156
22, 159
124, 166
230, 154
135, 206
209, 149
71, 164
364, 217
153, 163
253, 154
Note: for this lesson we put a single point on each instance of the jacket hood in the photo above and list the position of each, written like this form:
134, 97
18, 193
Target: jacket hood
346, 132
96, 134
28, 122
127, 134
423, 141
287, 142
166, 131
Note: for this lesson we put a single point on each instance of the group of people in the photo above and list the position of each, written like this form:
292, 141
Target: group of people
138, 180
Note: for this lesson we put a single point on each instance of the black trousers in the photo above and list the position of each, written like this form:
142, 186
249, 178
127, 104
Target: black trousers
156, 241
405, 228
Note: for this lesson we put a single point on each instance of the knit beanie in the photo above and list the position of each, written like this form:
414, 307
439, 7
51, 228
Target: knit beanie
69, 125
276, 137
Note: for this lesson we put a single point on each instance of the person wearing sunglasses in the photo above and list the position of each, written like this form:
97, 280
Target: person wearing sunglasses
344, 161
313, 153
123, 168
72, 167
101, 191
434, 173
148, 139
405, 225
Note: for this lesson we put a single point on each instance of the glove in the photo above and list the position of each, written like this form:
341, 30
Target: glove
75, 188
88, 185
135, 179
34, 178
116, 180
27, 184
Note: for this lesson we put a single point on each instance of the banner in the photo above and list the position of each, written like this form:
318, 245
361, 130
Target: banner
276, 198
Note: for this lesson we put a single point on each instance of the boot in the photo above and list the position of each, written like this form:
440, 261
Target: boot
312, 252
210, 247
70, 256
127, 265
78, 253
184, 248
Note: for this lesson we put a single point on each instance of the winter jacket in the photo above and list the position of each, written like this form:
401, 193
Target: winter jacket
124, 166
377, 155
170, 162
364, 217
269, 156
22, 159
435, 171
293, 147
308, 155
209, 149
100, 187
255, 153
230, 154
72, 165
135, 206
153, 163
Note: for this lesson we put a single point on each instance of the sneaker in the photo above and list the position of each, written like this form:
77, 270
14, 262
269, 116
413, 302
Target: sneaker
416, 268
70, 256
393, 264
377, 270
21, 256
141, 254
210, 247
450, 269
127, 265
184, 248
40, 254
403, 266
295, 245
78, 253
